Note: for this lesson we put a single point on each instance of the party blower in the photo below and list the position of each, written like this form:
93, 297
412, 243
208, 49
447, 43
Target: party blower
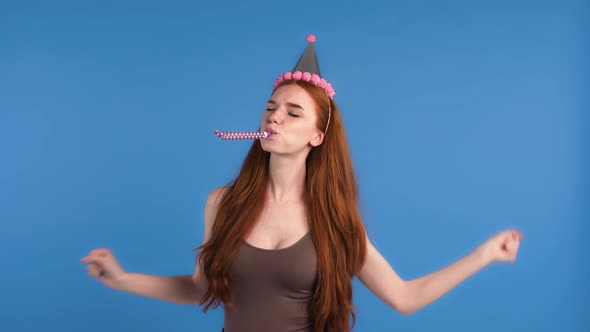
242, 135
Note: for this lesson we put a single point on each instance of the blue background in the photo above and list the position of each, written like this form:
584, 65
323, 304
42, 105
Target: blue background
463, 119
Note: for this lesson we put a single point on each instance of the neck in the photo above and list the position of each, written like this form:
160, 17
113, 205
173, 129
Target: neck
286, 178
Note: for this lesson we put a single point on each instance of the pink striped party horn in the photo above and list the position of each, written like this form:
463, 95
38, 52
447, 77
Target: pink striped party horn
242, 135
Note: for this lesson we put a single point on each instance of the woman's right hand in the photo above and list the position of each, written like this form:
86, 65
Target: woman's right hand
103, 266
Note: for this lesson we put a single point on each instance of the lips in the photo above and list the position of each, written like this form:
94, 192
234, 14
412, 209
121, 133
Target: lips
273, 132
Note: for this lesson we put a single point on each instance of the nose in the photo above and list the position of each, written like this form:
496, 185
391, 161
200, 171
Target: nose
276, 116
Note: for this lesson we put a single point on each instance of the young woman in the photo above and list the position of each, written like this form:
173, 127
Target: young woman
283, 241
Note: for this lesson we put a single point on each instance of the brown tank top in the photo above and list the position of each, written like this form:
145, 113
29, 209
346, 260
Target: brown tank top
272, 289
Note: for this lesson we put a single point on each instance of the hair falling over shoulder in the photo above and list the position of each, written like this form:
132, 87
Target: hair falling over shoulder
335, 222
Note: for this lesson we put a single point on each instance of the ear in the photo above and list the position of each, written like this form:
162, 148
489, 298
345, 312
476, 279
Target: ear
317, 139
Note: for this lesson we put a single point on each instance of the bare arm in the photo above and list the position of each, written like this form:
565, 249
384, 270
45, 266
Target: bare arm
409, 296
176, 289
182, 289
103, 265
429, 288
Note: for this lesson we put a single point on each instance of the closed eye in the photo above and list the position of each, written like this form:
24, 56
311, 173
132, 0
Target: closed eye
291, 114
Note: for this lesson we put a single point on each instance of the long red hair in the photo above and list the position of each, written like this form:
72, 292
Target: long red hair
336, 225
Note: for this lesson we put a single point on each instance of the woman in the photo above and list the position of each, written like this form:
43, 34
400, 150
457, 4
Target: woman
283, 241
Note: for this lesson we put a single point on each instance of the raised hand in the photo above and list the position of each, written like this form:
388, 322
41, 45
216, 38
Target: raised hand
502, 247
103, 266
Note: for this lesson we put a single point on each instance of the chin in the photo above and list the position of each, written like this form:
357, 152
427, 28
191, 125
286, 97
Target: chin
272, 149
267, 147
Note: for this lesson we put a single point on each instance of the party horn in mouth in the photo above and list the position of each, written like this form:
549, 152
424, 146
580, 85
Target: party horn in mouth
242, 135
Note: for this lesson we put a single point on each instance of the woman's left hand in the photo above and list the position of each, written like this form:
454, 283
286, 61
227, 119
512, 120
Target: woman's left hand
502, 247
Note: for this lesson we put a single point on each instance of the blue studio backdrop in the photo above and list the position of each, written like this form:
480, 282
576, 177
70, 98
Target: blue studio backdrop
463, 118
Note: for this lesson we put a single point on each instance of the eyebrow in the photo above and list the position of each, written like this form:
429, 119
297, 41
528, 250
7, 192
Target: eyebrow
288, 104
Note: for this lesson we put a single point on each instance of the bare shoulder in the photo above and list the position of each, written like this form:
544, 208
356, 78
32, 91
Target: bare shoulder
216, 194
213, 200
211, 206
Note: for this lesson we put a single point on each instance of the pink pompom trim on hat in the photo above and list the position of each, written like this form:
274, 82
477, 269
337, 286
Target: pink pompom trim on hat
315, 79
311, 38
